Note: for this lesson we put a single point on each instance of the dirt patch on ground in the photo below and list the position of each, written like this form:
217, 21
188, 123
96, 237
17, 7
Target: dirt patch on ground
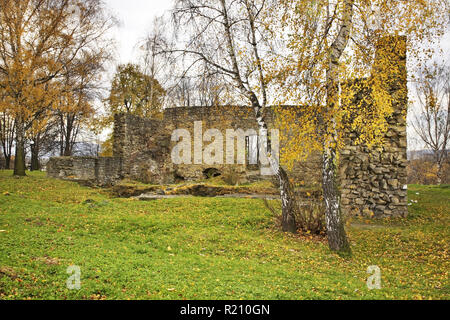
149, 197
197, 190
205, 190
35, 221
8, 272
48, 260
128, 191
201, 190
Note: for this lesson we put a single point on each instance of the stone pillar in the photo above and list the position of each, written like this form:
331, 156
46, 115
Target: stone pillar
373, 182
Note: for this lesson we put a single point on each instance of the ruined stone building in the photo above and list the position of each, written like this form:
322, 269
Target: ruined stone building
370, 180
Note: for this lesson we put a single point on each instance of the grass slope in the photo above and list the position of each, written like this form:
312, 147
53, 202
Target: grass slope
205, 248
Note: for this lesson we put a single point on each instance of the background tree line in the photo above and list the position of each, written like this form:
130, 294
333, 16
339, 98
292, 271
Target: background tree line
52, 53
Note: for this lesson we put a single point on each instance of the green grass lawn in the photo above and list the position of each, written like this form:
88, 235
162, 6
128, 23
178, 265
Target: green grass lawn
206, 248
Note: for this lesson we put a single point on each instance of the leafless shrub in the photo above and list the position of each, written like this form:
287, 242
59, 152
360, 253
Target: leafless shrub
309, 214
310, 217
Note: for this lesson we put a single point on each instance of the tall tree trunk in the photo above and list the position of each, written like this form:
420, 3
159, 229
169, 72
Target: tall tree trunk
68, 137
439, 173
337, 238
288, 223
19, 161
35, 166
7, 131
286, 190
67, 149
7, 162
61, 135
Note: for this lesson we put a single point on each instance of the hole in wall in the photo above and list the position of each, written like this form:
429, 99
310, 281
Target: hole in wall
211, 173
178, 178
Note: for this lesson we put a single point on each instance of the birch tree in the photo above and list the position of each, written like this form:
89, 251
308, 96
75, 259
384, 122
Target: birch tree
329, 45
227, 35
309, 53
432, 121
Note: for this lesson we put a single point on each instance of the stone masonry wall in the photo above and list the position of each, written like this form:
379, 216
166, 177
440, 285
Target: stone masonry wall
374, 182
223, 118
144, 146
101, 171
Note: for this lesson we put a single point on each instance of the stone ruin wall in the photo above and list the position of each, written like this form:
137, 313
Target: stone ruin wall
146, 145
372, 182
143, 144
375, 181
89, 170
222, 118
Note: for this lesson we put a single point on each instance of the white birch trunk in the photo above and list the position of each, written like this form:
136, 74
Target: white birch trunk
337, 238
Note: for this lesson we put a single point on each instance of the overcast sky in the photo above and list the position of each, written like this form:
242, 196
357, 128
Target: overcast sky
135, 17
